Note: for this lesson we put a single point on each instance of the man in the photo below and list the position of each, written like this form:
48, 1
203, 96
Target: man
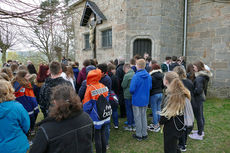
165, 65
120, 75
173, 63
128, 97
140, 89
53, 81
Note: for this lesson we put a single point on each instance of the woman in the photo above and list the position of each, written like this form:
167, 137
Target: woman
156, 95
190, 72
68, 74
14, 121
82, 74
189, 85
8, 72
67, 129
172, 114
33, 73
200, 83
41, 76
25, 95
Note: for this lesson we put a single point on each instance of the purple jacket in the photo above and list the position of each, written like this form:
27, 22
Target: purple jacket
81, 76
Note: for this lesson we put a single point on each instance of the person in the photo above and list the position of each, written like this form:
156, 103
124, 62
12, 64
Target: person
173, 63
189, 85
68, 75
183, 62
15, 121
90, 101
4, 76
202, 77
129, 73
140, 87
45, 91
190, 72
64, 60
33, 73
113, 77
68, 128
25, 95
75, 68
148, 60
14, 68
120, 75
156, 94
165, 65
133, 64
82, 74
8, 71
172, 114
40, 80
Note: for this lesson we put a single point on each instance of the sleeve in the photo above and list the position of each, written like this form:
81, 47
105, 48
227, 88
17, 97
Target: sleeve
163, 120
115, 86
119, 74
124, 83
42, 97
133, 85
198, 88
79, 78
82, 90
40, 142
24, 119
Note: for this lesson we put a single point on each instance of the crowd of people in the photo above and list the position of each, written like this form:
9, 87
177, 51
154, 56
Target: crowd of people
78, 104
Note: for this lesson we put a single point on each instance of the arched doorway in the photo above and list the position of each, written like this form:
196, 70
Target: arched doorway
141, 46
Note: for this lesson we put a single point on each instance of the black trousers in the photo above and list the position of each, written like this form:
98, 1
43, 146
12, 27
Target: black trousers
122, 105
199, 115
183, 138
171, 142
100, 140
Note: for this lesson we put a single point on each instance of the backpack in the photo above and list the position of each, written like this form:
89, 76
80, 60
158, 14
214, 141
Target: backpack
104, 109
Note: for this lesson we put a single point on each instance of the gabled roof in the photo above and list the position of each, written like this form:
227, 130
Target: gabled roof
91, 7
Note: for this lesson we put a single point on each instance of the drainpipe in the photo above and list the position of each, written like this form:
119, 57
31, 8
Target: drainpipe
185, 27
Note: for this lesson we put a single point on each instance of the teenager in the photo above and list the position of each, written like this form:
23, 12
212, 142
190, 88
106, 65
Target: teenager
68, 128
202, 77
165, 65
129, 73
172, 114
173, 63
93, 91
140, 87
14, 121
156, 94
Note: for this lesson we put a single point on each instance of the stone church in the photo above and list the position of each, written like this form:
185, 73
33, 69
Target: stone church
197, 29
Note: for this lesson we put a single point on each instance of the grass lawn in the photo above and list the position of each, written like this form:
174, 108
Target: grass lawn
216, 140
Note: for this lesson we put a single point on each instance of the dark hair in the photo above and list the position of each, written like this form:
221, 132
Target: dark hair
77, 64
155, 67
111, 67
42, 73
132, 61
190, 72
31, 69
199, 65
67, 102
63, 67
103, 67
86, 62
137, 57
116, 62
9, 61
92, 62
148, 58
174, 58
55, 67
168, 58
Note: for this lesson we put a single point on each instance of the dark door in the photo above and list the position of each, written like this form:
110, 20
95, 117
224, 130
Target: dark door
142, 46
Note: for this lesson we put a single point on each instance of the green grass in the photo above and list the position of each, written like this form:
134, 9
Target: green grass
216, 140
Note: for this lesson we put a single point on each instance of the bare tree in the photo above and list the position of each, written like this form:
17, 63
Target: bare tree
7, 40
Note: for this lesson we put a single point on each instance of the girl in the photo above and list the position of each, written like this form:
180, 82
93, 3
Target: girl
25, 95
172, 114
200, 83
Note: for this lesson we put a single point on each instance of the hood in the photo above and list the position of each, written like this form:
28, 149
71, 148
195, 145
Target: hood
154, 71
53, 82
130, 71
203, 73
75, 69
89, 68
5, 108
94, 76
142, 73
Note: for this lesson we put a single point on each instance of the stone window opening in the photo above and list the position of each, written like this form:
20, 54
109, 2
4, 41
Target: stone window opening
107, 38
87, 44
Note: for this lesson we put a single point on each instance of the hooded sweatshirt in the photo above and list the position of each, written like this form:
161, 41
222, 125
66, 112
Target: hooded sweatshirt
140, 87
92, 94
15, 123
157, 82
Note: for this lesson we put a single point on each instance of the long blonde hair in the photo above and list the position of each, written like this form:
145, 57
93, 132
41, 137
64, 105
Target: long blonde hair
175, 101
6, 91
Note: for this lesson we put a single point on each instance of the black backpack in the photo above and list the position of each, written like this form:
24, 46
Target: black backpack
104, 109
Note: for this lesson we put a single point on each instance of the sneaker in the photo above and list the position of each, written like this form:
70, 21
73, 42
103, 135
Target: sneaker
134, 129
128, 128
196, 131
136, 137
196, 136
150, 126
30, 143
156, 129
115, 127
183, 149
107, 146
144, 137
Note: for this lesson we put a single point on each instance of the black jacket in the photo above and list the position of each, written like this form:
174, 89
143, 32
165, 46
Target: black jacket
120, 75
46, 91
189, 85
200, 83
173, 65
114, 79
157, 82
72, 135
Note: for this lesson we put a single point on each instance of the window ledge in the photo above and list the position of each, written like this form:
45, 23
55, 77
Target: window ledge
87, 49
110, 47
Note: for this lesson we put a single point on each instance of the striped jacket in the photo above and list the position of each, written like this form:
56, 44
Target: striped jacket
27, 98
93, 91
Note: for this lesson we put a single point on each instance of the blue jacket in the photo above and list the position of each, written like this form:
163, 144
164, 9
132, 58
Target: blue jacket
15, 123
140, 87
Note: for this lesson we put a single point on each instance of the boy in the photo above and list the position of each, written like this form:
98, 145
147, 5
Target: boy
140, 89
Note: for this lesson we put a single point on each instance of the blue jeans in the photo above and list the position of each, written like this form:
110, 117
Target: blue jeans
115, 116
155, 101
129, 112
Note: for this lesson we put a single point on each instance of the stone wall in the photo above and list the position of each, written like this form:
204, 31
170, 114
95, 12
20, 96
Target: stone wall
209, 40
